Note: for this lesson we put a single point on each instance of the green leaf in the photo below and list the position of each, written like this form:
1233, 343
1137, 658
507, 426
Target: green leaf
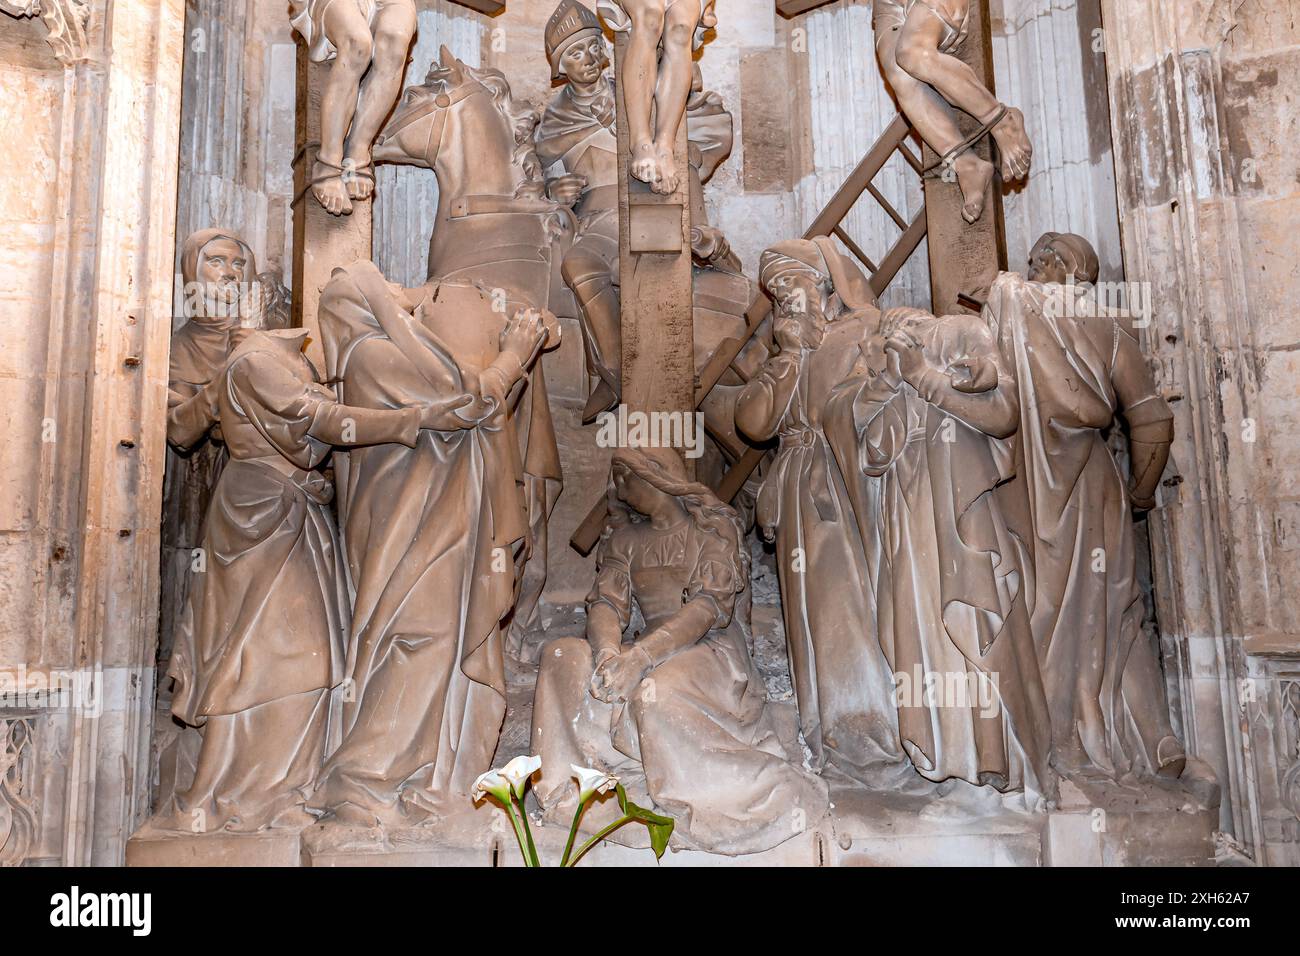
659, 827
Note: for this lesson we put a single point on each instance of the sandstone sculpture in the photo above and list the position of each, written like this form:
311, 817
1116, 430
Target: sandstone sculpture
1080, 369
437, 534
823, 309
369, 41
576, 141
916, 41
932, 406
261, 646
657, 77
679, 711
495, 231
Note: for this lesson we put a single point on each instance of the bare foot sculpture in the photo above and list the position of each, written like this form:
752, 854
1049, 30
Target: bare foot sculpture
369, 50
915, 41
658, 84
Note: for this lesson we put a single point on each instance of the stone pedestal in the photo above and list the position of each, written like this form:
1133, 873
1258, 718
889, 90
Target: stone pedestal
1118, 826
156, 848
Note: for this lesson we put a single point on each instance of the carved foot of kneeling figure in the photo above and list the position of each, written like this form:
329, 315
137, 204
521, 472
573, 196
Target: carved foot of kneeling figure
973, 176
329, 189
1013, 144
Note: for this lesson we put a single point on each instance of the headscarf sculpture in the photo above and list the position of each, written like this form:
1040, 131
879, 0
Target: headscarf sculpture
824, 308
679, 712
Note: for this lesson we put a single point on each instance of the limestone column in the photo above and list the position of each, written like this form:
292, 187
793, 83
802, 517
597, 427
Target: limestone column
1207, 170
92, 439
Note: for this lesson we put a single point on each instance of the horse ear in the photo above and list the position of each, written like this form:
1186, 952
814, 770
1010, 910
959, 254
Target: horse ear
450, 65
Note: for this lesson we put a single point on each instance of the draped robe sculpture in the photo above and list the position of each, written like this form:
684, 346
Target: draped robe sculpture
927, 413
436, 536
261, 644
824, 308
680, 710
1080, 369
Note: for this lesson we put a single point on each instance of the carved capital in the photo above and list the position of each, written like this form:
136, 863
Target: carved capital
64, 19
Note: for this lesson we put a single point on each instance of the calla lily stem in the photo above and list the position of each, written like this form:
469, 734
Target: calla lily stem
597, 838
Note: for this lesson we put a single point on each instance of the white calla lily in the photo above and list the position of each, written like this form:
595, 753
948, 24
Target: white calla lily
492, 783
518, 771
592, 781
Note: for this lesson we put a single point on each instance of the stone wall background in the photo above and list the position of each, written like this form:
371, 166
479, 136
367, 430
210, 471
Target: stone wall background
1205, 127
90, 123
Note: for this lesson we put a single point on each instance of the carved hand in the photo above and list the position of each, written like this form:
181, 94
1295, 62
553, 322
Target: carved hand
616, 678
524, 335
433, 416
709, 244
566, 190
973, 376
908, 355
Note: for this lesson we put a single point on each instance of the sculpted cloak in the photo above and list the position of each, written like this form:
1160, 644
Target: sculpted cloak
841, 679
698, 735
261, 642
1079, 367
435, 536
951, 585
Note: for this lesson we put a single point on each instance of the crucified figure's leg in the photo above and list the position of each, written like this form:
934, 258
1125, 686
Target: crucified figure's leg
640, 72
395, 24
676, 73
919, 54
933, 119
349, 31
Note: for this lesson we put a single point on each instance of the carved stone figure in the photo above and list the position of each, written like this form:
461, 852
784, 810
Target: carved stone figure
497, 231
576, 138
437, 535
679, 711
932, 406
1080, 367
916, 41
222, 294
261, 644
657, 78
823, 309
577, 144
369, 41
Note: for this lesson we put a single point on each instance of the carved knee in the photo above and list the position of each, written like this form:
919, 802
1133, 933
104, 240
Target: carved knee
356, 50
646, 14
918, 60
581, 265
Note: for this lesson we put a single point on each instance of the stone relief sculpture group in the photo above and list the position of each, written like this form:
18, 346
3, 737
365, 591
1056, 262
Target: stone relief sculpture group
951, 527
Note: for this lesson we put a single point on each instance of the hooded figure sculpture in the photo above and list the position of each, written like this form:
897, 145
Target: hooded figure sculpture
824, 308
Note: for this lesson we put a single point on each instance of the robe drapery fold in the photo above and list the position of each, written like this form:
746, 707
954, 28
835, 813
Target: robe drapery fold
950, 583
261, 644
436, 538
825, 563
1072, 506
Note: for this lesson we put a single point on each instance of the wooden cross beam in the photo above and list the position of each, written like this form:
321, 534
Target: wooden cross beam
792, 8
489, 7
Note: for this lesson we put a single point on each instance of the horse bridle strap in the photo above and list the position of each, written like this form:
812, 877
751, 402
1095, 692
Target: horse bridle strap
439, 105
